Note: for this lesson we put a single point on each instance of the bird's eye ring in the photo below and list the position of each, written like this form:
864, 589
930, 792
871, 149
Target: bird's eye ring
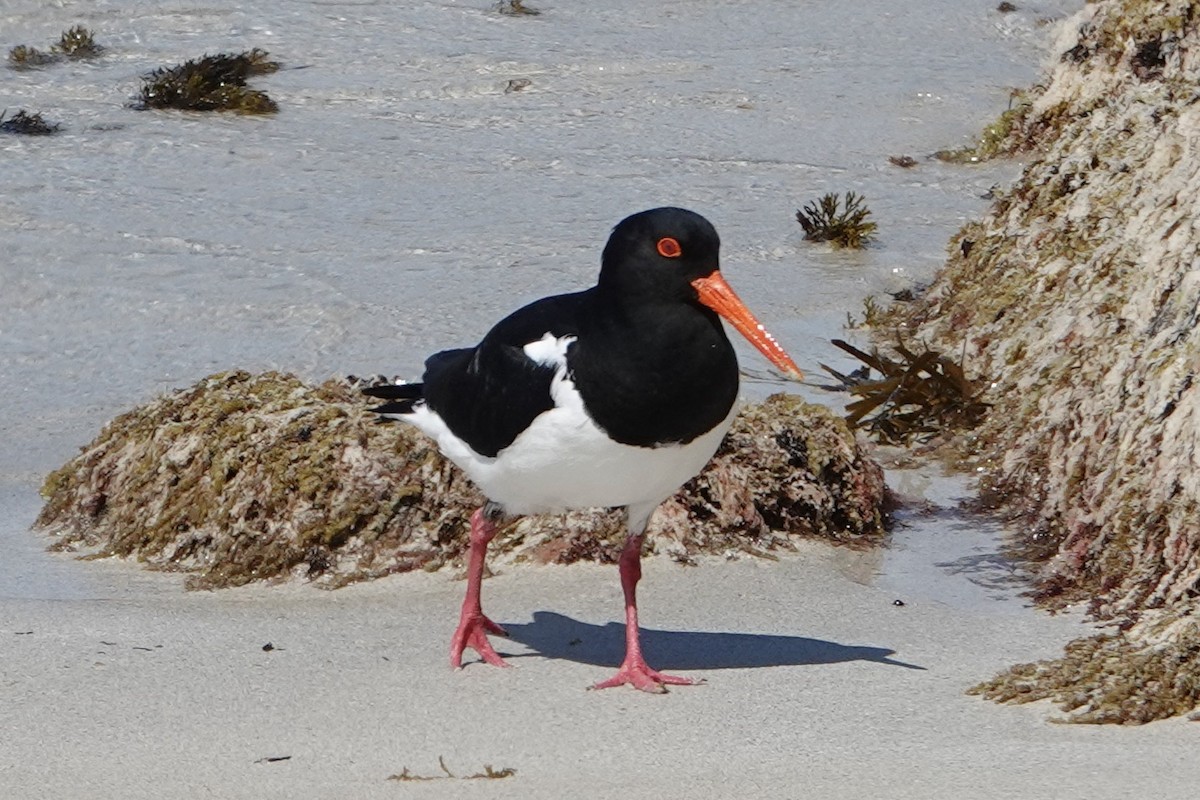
669, 248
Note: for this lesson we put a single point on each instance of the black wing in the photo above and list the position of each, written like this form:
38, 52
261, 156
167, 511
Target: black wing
488, 394
402, 396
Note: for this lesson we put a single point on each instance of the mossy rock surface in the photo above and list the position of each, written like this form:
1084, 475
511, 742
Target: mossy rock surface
254, 477
1149, 672
1076, 297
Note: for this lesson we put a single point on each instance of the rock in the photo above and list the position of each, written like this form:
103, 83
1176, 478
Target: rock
253, 477
1078, 298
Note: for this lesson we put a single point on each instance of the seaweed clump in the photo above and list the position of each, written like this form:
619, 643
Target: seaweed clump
75, 43
489, 773
24, 57
78, 42
1151, 673
840, 221
27, 124
211, 83
919, 396
254, 477
516, 8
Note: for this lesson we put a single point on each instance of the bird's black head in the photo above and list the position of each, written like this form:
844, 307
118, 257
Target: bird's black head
655, 255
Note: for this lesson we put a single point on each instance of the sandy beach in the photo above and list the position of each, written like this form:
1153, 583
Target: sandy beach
818, 685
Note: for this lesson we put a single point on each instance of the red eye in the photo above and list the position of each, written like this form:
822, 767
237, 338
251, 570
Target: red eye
669, 248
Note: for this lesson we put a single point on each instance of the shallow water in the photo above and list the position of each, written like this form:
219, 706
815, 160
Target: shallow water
402, 199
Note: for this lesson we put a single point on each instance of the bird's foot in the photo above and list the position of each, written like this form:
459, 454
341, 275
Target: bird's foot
472, 632
637, 674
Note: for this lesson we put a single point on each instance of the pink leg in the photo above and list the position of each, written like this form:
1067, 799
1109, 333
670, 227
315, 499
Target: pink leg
473, 626
634, 669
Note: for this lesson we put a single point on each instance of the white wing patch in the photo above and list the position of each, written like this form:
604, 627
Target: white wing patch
549, 351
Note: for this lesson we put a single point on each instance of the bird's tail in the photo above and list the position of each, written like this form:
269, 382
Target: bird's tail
401, 397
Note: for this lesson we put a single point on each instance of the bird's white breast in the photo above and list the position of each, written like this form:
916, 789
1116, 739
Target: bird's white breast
563, 460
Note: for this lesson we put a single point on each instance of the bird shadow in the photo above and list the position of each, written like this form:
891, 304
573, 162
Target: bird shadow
556, 636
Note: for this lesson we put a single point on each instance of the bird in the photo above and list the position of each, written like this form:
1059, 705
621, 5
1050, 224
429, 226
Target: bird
614, 396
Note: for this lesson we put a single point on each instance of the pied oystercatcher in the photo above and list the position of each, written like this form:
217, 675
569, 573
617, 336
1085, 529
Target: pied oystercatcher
613, 396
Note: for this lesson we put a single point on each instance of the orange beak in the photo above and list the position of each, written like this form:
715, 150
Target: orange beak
720, 297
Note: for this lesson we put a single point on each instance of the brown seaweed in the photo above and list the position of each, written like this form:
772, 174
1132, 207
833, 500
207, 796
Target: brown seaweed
210, 83
75, 43
919, 396
26, 124
516, 8
840, 221
78, 42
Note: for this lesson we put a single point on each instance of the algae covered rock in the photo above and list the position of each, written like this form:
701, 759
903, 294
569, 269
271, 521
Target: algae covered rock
243, 477
1150, 672
247, 477
1077, 297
